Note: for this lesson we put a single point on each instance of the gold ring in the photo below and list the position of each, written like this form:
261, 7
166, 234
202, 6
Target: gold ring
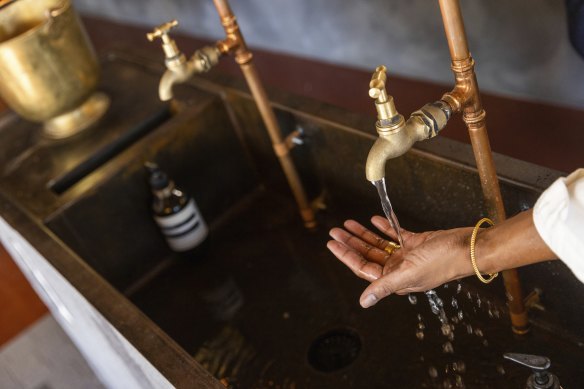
391, 247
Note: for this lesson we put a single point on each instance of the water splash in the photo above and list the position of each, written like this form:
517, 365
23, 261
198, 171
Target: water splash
432, 372
437, 306
460, 315
448, 348
388, 210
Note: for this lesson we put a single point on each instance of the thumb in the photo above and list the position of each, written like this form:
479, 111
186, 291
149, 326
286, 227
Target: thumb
380, 288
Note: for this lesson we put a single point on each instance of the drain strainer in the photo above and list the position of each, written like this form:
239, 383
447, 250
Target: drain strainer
334, 350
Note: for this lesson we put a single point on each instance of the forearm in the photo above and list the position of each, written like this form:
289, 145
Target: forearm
510, 244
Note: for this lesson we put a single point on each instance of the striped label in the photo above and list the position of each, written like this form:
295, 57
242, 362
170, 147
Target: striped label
185, 229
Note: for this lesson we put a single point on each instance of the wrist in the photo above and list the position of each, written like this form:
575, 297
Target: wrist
462, 254
486, 250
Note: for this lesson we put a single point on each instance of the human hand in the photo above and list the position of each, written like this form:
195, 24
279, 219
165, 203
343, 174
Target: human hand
429, 259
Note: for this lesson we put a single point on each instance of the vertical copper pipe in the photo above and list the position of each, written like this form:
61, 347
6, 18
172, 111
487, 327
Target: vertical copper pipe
234, 43
467, 99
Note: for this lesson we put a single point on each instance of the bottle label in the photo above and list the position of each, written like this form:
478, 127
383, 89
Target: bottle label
185, 229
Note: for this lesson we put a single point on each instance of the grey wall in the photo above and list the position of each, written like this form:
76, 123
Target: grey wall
520, 46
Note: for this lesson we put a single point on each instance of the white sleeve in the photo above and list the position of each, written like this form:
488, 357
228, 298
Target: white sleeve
558, 216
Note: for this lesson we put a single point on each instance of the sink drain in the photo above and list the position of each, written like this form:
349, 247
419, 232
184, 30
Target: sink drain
334, 350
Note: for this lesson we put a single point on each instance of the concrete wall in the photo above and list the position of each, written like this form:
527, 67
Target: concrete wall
521, 47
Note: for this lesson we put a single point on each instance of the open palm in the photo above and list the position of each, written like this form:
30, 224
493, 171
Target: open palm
424, 263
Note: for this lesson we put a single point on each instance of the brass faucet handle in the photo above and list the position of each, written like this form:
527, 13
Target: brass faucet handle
377, 84
162, 30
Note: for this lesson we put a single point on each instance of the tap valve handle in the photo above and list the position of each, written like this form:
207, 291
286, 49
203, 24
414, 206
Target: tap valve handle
377, 84
384, 104
162, 30
168, 44
541, 378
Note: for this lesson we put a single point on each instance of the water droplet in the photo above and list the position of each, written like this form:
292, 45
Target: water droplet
459, 367
421, 326
447, 348
479, 302
454, 319
413, 299
433, 372
486, 343
446, 285
490, 313
458, 288
500, 370
420, 334
468, 296
478, 332
436, 305
445, 329
459, 382
419, 317
496, 313
469, 329
454, 303
460, 315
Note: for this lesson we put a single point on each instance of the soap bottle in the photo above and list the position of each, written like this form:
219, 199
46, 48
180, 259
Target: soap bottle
175, 212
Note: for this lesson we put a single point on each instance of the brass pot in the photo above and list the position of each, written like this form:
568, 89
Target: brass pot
48, 68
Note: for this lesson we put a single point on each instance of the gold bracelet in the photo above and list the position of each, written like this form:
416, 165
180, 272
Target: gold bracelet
473, 260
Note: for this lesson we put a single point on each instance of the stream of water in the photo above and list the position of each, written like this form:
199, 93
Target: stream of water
388, 209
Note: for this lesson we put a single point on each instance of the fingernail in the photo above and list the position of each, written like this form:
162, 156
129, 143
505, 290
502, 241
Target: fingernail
369, 300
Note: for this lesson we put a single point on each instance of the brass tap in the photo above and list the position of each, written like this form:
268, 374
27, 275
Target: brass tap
396, 136
179, 69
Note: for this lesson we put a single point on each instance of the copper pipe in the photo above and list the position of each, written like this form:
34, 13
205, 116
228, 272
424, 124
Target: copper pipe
465, 98
235, 44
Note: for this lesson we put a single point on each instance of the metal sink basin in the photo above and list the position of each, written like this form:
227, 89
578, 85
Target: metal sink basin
263, 303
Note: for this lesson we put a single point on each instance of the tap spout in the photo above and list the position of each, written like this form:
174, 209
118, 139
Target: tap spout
396, 140
169, 78
179, 70
389, 146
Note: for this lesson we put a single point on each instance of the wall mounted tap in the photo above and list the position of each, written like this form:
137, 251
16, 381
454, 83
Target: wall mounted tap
396, 135
179, 69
